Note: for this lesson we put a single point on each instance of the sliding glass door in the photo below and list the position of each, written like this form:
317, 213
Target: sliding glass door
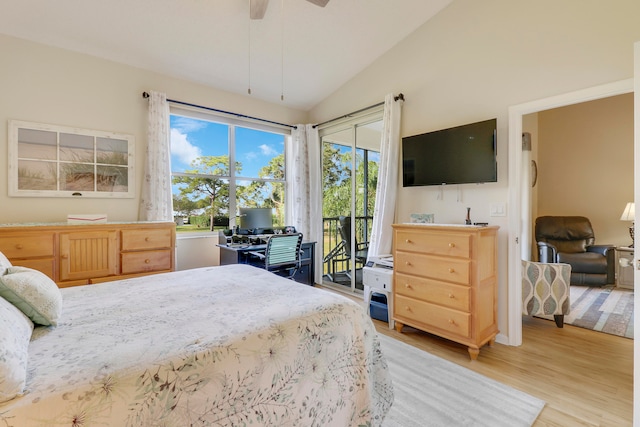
350, 158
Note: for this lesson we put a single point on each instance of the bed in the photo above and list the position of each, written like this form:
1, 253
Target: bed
216, 346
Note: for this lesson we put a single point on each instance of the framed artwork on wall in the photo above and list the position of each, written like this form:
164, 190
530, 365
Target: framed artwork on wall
59, 161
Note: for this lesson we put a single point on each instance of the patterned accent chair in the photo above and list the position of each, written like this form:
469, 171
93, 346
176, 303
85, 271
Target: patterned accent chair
545, 290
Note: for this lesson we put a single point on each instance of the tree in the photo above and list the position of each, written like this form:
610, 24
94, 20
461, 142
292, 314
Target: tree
266, 194
184, 206
336, 181
215, 189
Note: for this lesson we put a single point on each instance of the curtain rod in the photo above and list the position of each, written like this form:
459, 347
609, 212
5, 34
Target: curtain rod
400, 96
146, 95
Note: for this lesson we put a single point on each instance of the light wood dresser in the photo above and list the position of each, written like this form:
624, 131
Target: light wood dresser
445, 282
74, 254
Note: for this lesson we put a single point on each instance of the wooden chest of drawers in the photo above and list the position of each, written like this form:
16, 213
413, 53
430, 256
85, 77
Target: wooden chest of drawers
82, 254
445, 282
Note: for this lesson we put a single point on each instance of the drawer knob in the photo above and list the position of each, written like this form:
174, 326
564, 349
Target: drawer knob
451, 296
64, 256
408, 286
407, 308
408, 241
407, 263
146, 239
452, 322
452, 245
451, 270
19, 246
147, 261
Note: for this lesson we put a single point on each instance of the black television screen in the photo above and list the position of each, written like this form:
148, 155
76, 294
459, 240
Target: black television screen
459, 155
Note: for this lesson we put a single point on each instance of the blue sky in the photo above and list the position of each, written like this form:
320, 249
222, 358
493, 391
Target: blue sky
192, 138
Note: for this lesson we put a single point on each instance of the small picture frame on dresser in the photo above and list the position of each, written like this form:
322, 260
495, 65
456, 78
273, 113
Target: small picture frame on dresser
422, 218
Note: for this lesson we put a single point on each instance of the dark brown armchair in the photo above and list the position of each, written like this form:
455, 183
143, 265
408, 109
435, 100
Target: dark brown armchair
570, 240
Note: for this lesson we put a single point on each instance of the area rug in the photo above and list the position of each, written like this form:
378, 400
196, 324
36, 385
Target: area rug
430, 391
606, 309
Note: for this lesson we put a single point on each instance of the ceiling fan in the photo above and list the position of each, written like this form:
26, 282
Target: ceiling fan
259, 7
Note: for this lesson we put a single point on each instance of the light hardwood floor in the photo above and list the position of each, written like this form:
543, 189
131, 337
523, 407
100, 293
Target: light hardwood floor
585, 377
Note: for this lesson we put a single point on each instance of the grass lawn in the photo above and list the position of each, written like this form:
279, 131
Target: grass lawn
188, 228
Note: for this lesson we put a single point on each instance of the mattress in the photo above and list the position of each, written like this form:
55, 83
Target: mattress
216, 346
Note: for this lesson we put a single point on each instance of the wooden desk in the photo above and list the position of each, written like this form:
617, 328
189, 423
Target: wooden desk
239, 254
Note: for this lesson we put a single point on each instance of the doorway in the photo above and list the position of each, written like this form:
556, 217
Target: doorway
350, 158
520, 222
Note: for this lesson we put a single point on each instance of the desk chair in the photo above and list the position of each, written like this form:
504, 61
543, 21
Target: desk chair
282, 254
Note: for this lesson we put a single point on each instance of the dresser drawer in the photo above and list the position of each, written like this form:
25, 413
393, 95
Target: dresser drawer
429, 290
453, 321
434, 243
144, 239
448, 269
44, 265
140, 262
27, 246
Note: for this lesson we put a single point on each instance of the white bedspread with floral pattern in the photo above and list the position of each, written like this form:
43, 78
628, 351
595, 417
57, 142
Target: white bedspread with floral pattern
216, 346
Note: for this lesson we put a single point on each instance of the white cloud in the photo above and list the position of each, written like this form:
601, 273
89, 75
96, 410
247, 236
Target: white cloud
267, 150
182, 148
186, 125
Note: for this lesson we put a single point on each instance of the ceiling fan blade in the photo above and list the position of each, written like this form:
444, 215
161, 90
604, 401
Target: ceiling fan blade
321, 3
257, 8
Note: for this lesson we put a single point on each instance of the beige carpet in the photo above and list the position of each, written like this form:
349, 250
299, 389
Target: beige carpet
430, 391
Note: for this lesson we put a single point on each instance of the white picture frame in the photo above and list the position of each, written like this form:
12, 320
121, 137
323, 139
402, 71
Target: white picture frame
422, 218
60, 161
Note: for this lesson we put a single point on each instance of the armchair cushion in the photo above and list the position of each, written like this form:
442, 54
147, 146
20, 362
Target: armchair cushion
585, 262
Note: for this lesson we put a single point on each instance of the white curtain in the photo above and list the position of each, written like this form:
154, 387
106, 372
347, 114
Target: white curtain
385, 206
303, 198
156, 202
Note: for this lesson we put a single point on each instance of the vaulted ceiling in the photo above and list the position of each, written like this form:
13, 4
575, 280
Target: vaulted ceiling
298, 50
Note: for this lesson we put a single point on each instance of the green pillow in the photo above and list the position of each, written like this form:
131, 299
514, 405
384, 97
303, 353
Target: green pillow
34, 293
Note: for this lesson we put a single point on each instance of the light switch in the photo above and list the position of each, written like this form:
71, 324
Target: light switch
498, 209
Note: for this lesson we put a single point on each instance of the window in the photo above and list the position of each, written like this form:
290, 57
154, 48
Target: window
58, 161
220, 165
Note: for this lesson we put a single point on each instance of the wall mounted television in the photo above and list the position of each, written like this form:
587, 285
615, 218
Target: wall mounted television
458, 155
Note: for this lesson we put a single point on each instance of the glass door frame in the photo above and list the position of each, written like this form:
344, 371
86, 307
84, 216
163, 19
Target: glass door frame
352, 124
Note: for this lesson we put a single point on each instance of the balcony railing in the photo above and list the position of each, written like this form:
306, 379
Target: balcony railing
336, 265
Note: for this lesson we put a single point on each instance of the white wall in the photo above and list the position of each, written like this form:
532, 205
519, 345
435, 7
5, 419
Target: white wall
197, 251
474, 60
50, 85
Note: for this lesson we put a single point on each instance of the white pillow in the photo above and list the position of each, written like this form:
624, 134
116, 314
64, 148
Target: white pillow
15, 333
4, 263
34, 293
